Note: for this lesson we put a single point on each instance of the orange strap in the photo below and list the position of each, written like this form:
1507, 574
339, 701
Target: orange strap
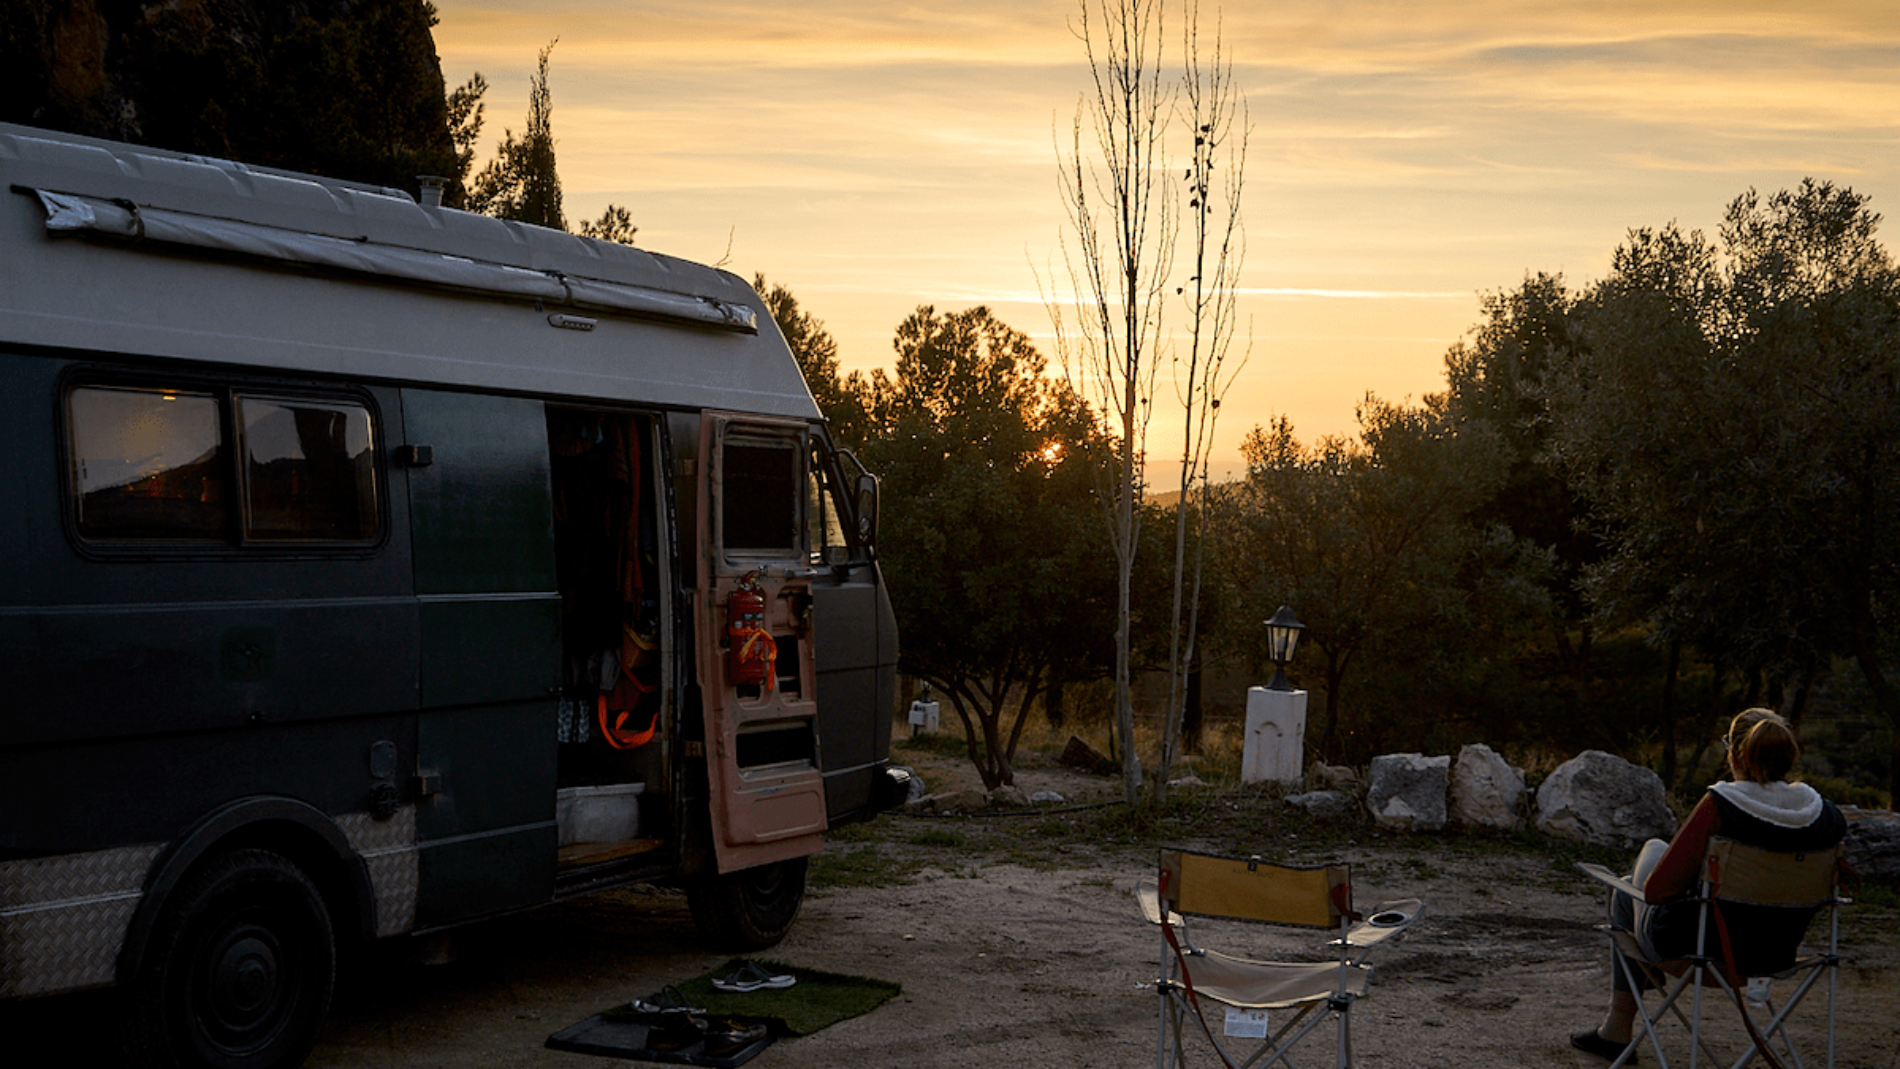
759, 646
616, 734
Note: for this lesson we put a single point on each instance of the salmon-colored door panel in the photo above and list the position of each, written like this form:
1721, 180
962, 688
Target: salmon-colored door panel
753, 617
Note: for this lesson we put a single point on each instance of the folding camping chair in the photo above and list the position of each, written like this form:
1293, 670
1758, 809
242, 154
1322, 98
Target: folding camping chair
1754, 908
1249, 889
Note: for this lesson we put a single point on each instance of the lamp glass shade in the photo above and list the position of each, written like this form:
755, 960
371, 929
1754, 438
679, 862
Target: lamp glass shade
1283, 636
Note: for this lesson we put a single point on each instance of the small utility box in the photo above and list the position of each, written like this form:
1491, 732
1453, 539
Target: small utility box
923, 718
1276, 736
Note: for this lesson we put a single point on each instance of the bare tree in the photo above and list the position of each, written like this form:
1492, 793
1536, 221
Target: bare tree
1117, 190
1217, 118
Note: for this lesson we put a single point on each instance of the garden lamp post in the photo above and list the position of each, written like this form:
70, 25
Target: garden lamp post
1283, 636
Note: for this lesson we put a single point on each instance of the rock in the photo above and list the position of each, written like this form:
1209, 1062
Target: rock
1603, 800
1079, 754
917, 788
1008, 796
1486, 791
1341, 778
1873, 844
964, 801
1323, 805
1189, 780
1406, 791
1046, 798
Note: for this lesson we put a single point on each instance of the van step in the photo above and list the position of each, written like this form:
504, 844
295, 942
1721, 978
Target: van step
572, 857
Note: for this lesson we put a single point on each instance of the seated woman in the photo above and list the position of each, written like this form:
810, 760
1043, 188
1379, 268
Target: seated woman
1759, 808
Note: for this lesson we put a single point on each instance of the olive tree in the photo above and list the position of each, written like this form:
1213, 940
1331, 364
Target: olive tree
1732, 413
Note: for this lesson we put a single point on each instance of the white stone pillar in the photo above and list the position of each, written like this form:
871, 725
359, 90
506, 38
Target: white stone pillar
1275, 746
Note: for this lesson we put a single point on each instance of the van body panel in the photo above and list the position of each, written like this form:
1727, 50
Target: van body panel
481, 520
489, 659
145, 789
857, 666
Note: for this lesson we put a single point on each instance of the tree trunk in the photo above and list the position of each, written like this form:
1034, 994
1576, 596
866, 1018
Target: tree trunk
1669, 713
1191, 716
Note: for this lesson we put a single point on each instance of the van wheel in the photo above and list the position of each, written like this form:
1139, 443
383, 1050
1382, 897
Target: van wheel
750, 909
239, 971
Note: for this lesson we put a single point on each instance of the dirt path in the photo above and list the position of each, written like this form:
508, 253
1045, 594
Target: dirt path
1024, 968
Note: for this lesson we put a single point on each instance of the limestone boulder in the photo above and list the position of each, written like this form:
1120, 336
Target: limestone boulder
1341, 778
1008, 796
1600, 799
1873, 844
969, 800
1407, 791
1486, 792
1329, 806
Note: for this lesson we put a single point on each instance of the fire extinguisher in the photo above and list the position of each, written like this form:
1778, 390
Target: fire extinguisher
751, 649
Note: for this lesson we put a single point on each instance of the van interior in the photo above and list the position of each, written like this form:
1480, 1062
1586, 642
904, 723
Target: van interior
611, 564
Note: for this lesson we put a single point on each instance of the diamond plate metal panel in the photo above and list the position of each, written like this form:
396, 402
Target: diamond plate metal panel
388, 850
62, 919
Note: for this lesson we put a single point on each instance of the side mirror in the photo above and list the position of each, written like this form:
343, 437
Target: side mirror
864, 506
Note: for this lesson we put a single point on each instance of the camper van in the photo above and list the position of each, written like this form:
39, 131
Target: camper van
369, 568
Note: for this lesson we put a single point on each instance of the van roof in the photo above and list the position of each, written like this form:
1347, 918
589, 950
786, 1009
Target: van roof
119, 249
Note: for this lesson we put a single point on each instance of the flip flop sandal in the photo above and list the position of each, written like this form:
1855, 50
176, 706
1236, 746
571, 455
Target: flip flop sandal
751, 977
668, 1001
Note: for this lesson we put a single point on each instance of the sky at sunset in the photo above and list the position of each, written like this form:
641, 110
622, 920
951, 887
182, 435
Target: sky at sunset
1405, 157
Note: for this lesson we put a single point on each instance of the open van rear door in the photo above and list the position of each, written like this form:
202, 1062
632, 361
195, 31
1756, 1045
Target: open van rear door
753, 623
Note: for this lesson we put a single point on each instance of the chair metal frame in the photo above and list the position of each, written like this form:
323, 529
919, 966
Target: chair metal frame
1256, 891
1815, 885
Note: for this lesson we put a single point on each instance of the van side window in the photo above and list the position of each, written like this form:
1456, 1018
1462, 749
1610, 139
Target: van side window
148, 464
760, 511
309, 470
157, 465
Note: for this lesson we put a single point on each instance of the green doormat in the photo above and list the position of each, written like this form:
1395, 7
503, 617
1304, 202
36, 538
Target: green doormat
818, 1000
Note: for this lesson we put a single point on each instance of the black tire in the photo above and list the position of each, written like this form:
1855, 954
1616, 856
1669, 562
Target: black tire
750, 909
239, 971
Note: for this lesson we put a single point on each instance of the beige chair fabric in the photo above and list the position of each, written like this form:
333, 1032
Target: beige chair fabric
1195, 979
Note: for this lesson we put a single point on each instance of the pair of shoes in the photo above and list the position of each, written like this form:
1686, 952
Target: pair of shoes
751, 977
676, 1032
1589, 1042
727, 1037
668, 1001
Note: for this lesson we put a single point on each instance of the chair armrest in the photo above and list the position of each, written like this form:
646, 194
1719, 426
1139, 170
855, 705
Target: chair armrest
1384, 921
1148, 893
1610, 879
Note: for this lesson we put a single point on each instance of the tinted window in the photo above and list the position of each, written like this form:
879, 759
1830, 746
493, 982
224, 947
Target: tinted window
153, 464
309, 470
148, 464
759, 507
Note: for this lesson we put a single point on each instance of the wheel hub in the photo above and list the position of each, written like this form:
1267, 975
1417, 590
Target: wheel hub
246, 986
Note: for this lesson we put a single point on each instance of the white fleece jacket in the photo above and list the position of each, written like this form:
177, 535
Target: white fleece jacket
1787, 805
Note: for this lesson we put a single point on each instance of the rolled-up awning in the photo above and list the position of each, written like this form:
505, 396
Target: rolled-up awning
68, 212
